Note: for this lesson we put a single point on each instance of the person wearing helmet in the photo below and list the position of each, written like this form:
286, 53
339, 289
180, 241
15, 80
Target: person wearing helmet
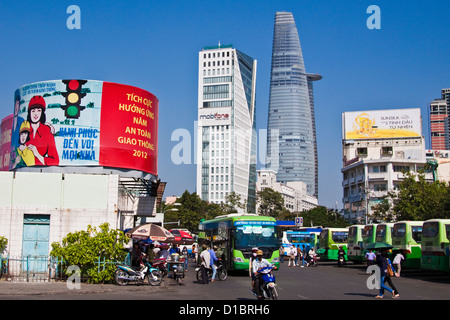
258, 264
250, 266
42, 142
24, 156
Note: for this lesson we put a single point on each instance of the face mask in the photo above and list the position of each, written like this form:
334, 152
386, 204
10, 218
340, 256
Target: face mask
254, 254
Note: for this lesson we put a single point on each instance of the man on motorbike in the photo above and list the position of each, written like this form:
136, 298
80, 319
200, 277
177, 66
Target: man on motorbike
258, 264
341, 256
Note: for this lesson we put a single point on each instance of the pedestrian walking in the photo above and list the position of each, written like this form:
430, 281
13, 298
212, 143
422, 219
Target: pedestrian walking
292, 254
370, 256
299, 255
281, 251
185, 254
398, 261
205, 258
385, 275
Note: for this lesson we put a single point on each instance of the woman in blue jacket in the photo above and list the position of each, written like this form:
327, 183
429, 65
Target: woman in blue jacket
383, 262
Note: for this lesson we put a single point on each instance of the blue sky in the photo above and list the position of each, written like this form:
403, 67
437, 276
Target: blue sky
154, 45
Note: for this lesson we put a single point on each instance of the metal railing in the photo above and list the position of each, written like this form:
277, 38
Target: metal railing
41, 268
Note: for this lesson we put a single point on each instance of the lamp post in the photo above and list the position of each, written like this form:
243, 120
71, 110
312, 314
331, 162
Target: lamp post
167, 209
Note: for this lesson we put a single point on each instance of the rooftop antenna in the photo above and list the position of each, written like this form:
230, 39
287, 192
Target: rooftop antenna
219, 44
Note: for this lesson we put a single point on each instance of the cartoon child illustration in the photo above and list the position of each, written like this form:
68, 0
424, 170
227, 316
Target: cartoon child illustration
25, 156
42, 142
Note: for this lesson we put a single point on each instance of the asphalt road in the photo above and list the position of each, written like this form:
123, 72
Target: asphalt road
325, 282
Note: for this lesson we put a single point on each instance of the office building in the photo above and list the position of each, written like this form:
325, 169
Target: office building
291, 140
294, 194
440, 121
226, 132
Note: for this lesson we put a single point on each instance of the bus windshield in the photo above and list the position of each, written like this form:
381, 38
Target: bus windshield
299, 238
249, 235
339, 236
430, 229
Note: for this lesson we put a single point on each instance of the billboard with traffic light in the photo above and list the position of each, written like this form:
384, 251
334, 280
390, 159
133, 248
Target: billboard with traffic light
77, 122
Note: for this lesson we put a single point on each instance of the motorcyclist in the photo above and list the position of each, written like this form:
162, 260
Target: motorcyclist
258, 264
253, 257
312, 256
341, 253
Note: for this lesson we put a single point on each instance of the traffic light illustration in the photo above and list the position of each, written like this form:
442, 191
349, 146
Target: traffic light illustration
73, 97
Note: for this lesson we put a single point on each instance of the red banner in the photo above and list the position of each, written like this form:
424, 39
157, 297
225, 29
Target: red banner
129, 128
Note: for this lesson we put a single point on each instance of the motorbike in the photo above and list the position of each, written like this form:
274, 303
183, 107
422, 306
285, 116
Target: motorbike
313, 261
341, 261
267, 285
221, 272
161, 265
125, 274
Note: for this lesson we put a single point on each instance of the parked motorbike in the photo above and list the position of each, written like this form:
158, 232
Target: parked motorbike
125, 274
222, 273
267, 285
161, 265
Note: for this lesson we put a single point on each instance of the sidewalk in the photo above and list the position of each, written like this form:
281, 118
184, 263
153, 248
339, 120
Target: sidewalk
11, 288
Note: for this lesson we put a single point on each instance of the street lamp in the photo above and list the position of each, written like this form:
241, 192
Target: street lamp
167, 209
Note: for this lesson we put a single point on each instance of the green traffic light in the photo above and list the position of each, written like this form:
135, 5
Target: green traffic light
72, 111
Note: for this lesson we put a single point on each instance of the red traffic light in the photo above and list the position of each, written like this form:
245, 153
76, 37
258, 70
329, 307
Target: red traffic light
73, 85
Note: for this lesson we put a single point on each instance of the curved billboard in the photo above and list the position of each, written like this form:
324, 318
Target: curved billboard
84, 123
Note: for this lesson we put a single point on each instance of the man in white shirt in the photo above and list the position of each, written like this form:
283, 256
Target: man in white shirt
258, 264
205, 258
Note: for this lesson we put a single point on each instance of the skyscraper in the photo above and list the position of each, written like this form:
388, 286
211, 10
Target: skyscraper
226, 132
440, 121
291, 140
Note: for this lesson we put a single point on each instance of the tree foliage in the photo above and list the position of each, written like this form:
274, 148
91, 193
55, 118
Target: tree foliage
86, 249
191, 211
271, 203
3, 243
420, 200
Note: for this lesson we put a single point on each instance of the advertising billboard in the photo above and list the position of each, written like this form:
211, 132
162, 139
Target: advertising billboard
85, 123
377, 124
5, 142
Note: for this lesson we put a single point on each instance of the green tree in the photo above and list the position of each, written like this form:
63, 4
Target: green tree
3, 243
271, 203
233, 202
192, 210
86, 248
382, 211
420, 200
323, 216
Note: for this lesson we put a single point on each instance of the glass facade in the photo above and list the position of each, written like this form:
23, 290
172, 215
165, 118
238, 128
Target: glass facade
226, 161
291, 142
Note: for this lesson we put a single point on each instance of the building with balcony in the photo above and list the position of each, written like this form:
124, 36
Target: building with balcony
378, 148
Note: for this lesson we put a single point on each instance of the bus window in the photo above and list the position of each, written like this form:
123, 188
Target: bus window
400, 230
417, 233
447, 231
430, 229
381, 232
339, 237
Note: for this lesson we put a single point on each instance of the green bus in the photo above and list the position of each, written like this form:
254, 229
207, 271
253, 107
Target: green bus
236, 234
407, 238
354, 247
435, 244
368, 236
384, 233
330, 240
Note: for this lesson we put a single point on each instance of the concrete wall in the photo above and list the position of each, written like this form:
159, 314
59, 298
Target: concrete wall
73, 201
